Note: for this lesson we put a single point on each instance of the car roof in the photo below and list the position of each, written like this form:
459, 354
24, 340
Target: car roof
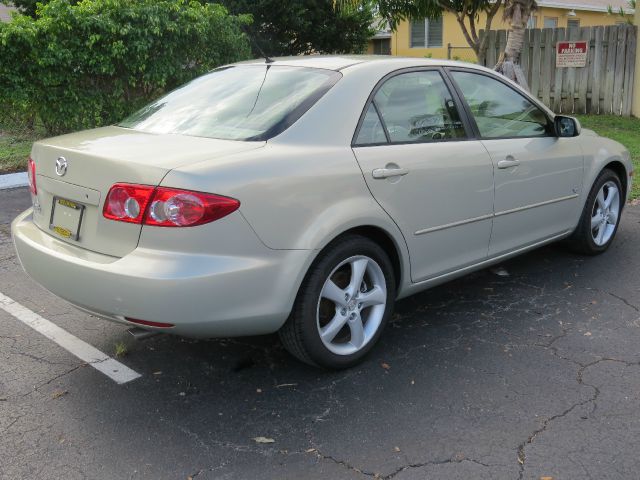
341, 62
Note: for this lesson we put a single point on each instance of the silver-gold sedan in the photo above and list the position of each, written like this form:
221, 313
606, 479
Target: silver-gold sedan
306, 195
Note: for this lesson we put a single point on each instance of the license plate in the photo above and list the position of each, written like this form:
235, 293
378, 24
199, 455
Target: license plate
66, 218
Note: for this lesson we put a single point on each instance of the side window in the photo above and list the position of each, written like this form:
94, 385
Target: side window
500, 111
371, 130
418, 107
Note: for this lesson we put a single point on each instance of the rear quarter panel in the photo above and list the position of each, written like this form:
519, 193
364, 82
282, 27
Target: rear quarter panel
294, 197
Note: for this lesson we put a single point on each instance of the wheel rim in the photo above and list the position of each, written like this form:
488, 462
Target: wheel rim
605, 213
351, 305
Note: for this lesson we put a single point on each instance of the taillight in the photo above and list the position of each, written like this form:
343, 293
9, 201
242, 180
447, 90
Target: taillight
165, 207
127, 203
31, 174
181, 208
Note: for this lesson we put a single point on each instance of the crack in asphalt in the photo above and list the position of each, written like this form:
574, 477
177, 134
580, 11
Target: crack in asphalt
40, 359
39, 386
447, 461
625, 301
617, 297
346, 465
521, 453
363, 471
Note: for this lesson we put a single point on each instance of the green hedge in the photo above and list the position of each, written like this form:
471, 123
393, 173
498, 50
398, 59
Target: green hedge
91, 64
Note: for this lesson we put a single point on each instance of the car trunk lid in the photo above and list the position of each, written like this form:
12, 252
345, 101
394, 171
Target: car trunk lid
70, 200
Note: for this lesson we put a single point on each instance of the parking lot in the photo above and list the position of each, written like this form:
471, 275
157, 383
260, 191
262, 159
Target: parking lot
523, 376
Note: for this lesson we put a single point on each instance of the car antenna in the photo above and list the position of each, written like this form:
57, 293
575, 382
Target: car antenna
267, 59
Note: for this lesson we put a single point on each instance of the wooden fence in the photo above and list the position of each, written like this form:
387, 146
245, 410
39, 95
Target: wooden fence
603, 86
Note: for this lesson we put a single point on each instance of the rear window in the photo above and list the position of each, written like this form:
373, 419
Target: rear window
251, 102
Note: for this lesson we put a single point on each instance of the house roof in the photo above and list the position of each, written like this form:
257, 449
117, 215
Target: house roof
5, 12
588, 5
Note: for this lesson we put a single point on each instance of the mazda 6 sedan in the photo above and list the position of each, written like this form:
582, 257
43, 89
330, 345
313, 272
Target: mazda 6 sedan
305, 196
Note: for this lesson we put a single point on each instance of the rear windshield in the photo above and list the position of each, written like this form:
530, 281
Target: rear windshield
251, 102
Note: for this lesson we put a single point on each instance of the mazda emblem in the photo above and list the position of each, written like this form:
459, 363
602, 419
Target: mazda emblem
61, 166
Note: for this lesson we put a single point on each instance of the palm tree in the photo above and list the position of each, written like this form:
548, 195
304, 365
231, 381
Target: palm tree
516, 14
467, 13
621, 11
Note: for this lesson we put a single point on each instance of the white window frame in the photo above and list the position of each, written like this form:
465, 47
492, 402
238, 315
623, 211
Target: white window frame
426, 34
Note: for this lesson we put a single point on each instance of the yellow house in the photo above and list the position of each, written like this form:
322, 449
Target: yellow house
5, 12
443, 38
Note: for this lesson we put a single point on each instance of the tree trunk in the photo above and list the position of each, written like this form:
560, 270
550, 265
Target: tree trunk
517, 13
513, 50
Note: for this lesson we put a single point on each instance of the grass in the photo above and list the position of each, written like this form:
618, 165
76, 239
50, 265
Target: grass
623, 130
120, 350
14, 152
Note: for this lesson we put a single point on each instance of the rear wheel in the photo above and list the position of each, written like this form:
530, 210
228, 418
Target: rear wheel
343, 304
601, 215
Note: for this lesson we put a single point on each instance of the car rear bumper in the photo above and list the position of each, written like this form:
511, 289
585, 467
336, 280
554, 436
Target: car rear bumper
203, 295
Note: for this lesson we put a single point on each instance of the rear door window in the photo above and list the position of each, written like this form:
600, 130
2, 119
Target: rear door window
418, 107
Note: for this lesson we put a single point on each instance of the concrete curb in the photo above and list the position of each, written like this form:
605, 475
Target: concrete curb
13, 180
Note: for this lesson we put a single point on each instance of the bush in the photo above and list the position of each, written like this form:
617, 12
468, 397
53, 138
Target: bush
90, 64
294, 27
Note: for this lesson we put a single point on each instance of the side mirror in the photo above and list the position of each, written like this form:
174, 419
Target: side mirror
566, 126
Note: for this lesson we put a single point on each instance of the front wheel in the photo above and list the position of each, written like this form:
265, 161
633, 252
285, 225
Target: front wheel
343, 304
601, 215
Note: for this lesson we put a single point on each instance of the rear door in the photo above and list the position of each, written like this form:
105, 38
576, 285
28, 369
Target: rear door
423, 168
538, 176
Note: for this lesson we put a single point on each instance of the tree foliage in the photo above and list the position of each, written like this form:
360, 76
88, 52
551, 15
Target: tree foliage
90, 64
27, 7
466, 12
293, 27
621, 13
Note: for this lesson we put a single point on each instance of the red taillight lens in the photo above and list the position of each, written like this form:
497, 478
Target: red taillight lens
165, 207
127, 203
181, 208
31, 174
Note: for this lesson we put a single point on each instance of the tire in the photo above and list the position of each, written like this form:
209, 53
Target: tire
329, 326
594, 238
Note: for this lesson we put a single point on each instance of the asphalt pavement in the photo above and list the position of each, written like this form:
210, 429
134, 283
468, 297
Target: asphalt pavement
531, 375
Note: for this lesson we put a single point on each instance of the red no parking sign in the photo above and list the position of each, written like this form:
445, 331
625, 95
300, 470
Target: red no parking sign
571, 54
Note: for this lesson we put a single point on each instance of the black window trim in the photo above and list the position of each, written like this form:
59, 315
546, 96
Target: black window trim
505, 82
381, 120
470, 133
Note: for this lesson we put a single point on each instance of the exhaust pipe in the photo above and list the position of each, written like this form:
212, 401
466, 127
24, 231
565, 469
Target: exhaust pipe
142, 334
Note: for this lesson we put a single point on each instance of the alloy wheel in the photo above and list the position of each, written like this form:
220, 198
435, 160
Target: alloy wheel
351, 305
605, 212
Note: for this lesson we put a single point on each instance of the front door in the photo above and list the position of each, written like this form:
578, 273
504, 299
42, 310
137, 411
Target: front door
538, 176
424, 170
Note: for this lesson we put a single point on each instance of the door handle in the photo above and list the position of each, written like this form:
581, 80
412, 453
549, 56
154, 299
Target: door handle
508, 162
389, 172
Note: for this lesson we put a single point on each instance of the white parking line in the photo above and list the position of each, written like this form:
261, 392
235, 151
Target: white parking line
113, 369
